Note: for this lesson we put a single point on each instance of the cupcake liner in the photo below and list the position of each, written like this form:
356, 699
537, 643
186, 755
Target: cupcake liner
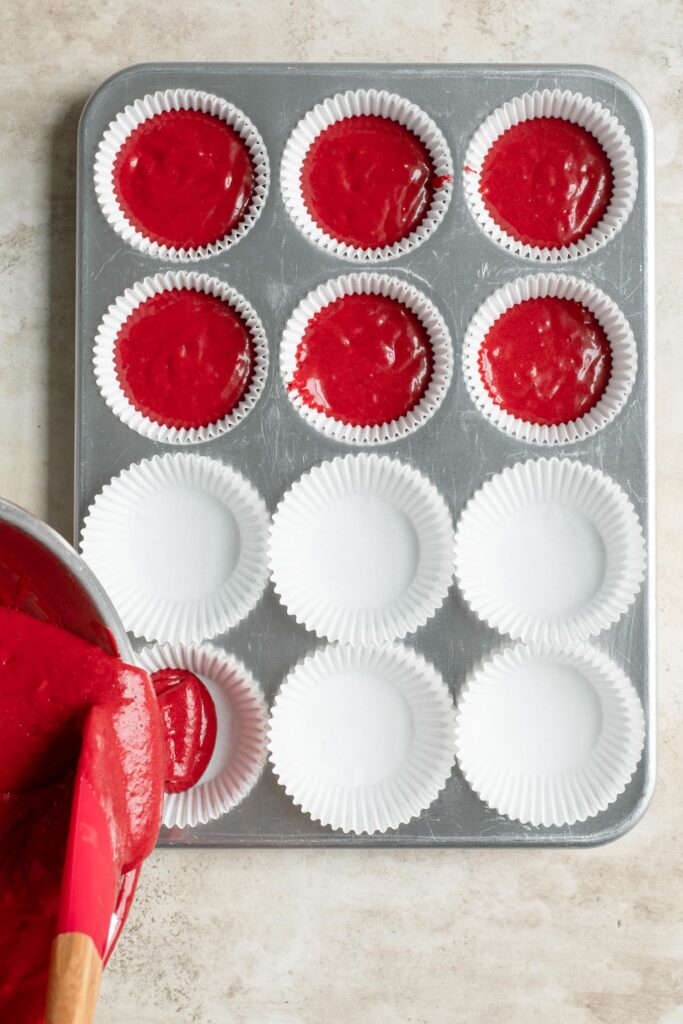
105, 352
610, 318
549, 736
241, 713
587, 113
549, 551
353, 104
179, 544
360, 549
362, 738
160, 102
432, 321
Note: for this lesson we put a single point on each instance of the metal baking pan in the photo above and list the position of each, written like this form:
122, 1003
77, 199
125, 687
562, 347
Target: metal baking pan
458, 449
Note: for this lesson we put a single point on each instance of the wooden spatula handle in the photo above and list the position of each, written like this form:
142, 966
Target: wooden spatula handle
74, 982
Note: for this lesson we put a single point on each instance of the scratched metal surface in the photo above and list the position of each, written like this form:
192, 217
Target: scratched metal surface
274, 267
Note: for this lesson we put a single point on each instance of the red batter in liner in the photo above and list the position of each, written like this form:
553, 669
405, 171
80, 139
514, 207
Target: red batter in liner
184, 359
184, 178
368, 181
546, 361
547, 182
189, 719
364, 360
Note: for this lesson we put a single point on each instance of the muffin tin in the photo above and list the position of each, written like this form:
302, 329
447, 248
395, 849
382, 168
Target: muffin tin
458, 449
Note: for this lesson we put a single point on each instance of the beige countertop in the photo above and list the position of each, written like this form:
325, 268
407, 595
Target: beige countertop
285, 937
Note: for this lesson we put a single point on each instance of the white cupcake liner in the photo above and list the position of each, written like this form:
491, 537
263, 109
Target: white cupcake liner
360, 549
414, 300
549, 551
179, 544
105, 356
610, 318
362, 738
549, 736
149, 106
587, 113
241, 731
353, 104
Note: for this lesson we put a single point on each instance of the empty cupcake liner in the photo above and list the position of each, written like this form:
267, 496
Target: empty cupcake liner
360, 549
432, 321
581, 110
241, 731
610, 318
105, 353
158, 103
549, 736
549, 551
353, 104
362, 738
179, 543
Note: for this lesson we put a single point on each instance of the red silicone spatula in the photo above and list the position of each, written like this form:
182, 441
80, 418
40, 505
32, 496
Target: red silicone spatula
111, 789
89, 884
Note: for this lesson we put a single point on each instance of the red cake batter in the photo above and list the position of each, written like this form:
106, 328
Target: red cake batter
184, 359
34, 581
184, 178
364, 360
547, 182
368, 181
189, 720
50, 680
546, 361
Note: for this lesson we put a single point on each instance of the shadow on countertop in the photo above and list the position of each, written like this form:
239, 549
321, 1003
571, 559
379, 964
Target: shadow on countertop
61, 318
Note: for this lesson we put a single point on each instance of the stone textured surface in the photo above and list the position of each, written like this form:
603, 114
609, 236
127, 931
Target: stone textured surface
274, 937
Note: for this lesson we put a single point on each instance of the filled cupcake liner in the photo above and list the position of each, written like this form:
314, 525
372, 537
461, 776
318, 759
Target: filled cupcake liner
417, 303
610, 318
545, 517
242, 716
362, 738
158, 103
508, 733
105, 356
179, 543
588, 114
360, 549
352, 104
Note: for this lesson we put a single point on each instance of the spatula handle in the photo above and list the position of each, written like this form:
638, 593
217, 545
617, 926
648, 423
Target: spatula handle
74, 982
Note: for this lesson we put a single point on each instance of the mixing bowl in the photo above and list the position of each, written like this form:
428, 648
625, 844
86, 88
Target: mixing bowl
42, 575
